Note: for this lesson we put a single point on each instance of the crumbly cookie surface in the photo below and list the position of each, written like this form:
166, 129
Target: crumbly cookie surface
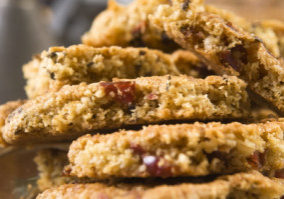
75, 110
227, 47
5, 110
50, 164
128, 26
179, 150
242, 185
61, 66
267, 34
278, 28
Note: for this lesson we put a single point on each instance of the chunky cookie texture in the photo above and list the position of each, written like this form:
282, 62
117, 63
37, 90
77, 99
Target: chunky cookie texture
179, 150
76, 110
229, 49
5, 110
129, 26
61, 66
243, 185
267, 34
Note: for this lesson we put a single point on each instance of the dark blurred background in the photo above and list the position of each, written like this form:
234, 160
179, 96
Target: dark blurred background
29, 26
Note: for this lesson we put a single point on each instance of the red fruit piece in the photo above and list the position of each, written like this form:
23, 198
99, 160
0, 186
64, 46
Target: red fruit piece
137, 149
123, 92
154, 169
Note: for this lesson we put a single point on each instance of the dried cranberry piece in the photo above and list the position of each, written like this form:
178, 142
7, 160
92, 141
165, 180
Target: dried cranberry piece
137, 149
256, 160
279, 173
154, 169
123, 92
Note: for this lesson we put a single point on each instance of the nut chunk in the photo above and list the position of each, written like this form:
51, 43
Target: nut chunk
76, 110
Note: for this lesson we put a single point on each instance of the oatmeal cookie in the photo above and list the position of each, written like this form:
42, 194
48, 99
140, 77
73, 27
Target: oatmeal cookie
50, 164
267, 34
278, 28
128, 26
179, 150
75, 110
5, 110
243, 185
61, 66
229, 49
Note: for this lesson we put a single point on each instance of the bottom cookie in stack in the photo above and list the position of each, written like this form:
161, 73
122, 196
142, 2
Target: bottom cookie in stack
241, 185
250, 184
205, 157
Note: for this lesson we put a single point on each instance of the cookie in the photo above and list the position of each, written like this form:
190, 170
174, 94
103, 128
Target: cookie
228, 48
61, 66
278, 28
128, 26
262, 114
5, 110
179, 150
50, 164
78, 109
242, 185
268, 36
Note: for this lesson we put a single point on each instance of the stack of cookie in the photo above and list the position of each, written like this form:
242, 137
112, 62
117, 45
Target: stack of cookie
198, 90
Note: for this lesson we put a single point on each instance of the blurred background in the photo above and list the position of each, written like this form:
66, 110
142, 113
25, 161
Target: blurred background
29, 26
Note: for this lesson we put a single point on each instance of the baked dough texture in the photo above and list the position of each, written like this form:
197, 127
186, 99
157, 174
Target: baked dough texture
79, 109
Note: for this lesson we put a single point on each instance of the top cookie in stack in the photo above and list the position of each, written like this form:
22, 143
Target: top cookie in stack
196, 71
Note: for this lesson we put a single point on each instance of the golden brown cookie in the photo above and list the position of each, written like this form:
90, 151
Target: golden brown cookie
228, 48
243, 185
76, 110
5, 110
278, 28
179, 150
267, 34
128, 26
61, 66
50, 164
